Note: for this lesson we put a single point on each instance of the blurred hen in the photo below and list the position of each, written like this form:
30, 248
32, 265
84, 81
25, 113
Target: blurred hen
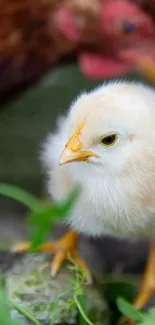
29, 42
111, 29
109, 37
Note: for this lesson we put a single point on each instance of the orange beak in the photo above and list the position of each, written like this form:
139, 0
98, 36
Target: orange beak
73, 149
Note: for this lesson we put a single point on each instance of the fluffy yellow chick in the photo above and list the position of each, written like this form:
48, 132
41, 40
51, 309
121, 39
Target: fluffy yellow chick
106, 143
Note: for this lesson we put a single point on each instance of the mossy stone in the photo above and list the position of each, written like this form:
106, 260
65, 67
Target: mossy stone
30, 285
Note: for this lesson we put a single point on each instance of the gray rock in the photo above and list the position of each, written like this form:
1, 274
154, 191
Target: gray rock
30, 285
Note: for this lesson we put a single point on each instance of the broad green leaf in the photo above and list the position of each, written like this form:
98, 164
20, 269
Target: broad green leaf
128, 310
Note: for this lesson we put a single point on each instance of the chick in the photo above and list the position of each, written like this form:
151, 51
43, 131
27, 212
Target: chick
106, 144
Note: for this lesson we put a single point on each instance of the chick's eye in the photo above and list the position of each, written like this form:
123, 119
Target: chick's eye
109, 140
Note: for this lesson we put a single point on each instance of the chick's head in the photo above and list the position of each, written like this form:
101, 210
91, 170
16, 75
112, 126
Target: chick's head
111, 129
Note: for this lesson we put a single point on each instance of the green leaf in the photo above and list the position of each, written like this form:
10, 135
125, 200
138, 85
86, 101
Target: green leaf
42, 217
20, 195
128, 310
119, 287
5, 317
40, 230
149, 317
83, 302
42, 221
55, 304
152, 313
82, 311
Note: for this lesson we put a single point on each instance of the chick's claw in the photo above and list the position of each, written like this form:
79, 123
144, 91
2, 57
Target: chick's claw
21, 248
60, 256
66, 245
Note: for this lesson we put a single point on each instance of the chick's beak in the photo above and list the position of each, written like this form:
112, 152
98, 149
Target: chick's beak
73, 149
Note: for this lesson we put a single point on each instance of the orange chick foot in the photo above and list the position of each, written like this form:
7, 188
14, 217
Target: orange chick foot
66, 245
147, 288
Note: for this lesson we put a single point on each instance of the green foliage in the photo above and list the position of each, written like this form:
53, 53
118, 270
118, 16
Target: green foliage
78, 299
78, 296
21, 196
140, 317
5, 317
42, 221
129, 310
42, 214
41, 218
24, 312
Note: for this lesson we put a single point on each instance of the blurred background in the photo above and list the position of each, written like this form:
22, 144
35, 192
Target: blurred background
50, 51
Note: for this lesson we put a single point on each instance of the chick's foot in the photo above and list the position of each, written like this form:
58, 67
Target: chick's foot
66, 245
147, 288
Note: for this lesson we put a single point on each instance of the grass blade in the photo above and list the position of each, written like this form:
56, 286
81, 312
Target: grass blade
55, 304
21, 196
83, 302
24, 312
128, 310
82, 312
5, 317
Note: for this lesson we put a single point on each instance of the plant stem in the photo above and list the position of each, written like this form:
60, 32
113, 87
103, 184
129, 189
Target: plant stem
24, 312
82, 311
